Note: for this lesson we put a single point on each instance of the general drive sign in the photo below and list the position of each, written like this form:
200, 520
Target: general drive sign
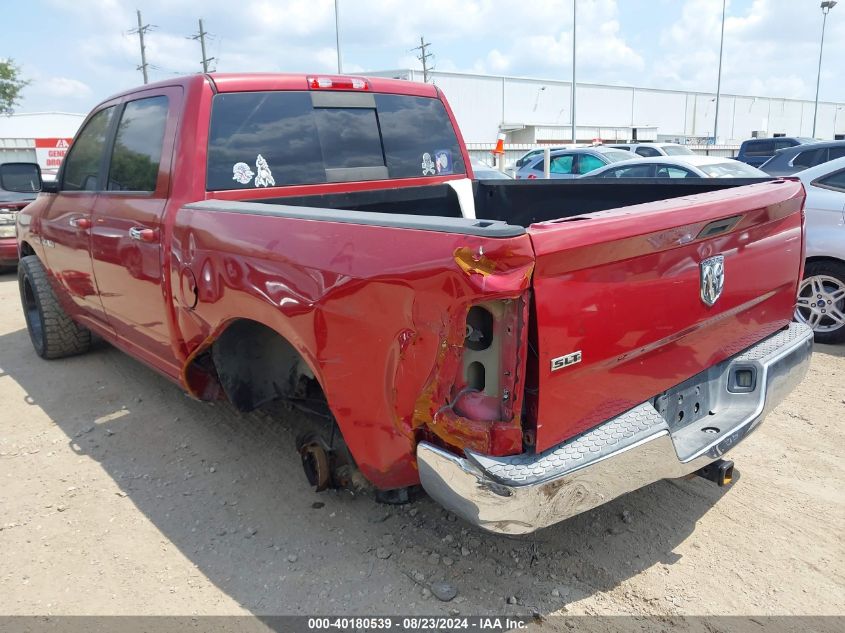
49, 152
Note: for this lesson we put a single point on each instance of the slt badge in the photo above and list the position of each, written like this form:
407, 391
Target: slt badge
712, 278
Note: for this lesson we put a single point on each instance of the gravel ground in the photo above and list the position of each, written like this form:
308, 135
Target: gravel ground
120, 495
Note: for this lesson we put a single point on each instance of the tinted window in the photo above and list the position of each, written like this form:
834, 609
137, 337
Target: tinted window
588, 163
296, 143
634, 171
759, 148
810, 157
137, 146
412, 127
835, 152
278, 126
349, 137
82, 165
666, 171
647, 151
562, 164
783, 144
833, 181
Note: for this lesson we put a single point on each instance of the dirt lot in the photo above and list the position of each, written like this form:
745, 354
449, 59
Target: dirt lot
120, 495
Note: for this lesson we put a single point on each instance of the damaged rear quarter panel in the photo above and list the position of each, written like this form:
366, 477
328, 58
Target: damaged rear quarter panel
378, 314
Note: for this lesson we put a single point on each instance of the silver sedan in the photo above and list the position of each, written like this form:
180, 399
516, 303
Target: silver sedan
690, 166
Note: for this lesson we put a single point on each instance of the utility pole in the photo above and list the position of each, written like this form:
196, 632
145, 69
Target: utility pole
337, 35
574, 127
719, 81
142, 28
423, 57
201, 37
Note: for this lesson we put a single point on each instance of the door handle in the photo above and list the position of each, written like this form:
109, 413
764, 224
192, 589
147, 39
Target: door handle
80, 223
141, 234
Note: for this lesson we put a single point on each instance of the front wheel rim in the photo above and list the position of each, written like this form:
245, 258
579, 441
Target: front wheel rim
33, 314
821, 303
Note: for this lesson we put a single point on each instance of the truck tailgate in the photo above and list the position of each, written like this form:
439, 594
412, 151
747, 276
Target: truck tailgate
618, 304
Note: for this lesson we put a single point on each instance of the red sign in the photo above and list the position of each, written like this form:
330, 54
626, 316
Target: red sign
49, 152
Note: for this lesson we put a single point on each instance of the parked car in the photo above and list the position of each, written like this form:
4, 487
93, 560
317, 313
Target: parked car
692, 166
532, 154
571, 163
756, 151
19, 185
821, 295
650, 150
311, 249
483, 171
791, 160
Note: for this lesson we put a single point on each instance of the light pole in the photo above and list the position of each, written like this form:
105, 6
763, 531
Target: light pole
719, 79
826, 6
574, 128
337, 35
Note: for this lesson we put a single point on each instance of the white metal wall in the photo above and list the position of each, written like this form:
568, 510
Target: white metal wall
482, 103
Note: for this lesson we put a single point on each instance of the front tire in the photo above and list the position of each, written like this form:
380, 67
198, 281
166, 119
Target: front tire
821, 300
53, 333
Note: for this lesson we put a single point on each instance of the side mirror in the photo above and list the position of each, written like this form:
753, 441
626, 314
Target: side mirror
21, 177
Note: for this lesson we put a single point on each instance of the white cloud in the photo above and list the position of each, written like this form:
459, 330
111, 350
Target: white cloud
771, 46
770, 49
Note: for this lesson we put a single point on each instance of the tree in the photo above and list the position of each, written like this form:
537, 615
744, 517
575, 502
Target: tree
10, 85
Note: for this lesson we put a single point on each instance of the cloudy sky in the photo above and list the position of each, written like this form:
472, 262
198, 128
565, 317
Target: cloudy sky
77, 52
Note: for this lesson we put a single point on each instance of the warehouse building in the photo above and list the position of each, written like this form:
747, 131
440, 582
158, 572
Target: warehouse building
538, 111
41, 137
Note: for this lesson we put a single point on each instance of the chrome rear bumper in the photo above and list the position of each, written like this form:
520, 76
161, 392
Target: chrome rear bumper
523, 493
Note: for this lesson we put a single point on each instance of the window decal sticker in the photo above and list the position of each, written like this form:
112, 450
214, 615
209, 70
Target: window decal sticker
443, 161
428, 168
264, 178
242, 173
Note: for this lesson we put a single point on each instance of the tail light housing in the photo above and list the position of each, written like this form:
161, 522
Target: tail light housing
337, 82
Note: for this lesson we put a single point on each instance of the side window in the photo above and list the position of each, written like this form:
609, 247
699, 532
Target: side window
137, 146
562, 164
783, 144
810, 158
588, 163
835, 181
647, 151
82, 165
634, 171
835, 152
540, 165
665, 171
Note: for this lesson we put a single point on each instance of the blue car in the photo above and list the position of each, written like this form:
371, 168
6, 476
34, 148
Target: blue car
572, 163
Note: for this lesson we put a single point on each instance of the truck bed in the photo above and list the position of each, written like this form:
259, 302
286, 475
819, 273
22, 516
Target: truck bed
519, 203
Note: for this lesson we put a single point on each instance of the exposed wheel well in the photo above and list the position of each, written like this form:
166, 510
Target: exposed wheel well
823, 258
26, 249
255, 365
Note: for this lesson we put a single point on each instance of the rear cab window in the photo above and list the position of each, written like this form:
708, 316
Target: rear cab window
758, 148
261, 139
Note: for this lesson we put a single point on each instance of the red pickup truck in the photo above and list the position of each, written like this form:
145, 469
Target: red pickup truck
524, 350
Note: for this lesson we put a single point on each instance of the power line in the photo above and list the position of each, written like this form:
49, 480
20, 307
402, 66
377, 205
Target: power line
201, 37
424, 57
142, 28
